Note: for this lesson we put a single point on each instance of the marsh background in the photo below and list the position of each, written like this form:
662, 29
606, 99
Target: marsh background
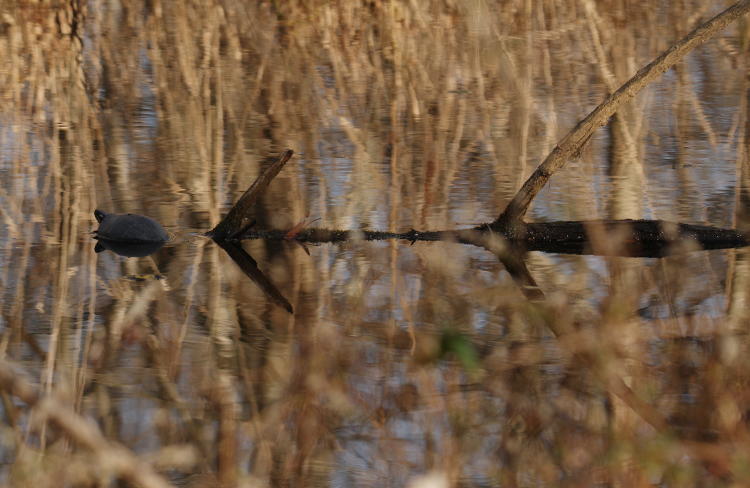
400, 361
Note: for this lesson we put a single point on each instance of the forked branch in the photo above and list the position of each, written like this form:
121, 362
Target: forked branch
238, 220
510, 222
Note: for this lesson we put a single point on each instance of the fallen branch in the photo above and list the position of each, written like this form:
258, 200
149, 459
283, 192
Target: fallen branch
238, 220
638, 238
510, 222
633, 238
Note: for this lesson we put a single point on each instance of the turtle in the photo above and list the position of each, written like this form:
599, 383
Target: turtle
128, 234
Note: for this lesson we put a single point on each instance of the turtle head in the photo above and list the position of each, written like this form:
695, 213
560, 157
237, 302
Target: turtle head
99, 215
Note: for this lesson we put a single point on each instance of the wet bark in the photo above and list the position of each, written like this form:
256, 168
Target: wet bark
634, 238
238, 220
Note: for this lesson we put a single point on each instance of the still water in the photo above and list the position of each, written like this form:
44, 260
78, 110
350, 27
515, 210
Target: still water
402, 363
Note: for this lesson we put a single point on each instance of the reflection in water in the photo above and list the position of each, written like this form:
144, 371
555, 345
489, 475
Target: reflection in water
128, 249
248, 265
400, 360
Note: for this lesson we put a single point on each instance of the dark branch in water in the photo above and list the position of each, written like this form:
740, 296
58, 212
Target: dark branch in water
630, 238
250, 267
515, 265
237, 220
633, 238
318, 236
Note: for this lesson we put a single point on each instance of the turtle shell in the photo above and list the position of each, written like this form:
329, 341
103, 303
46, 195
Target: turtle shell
129, 228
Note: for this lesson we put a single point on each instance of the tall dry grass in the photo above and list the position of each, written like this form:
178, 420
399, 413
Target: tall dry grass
405, 114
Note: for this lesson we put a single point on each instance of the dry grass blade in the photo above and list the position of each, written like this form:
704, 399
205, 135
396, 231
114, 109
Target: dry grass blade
111, 456
510, 221
236, 220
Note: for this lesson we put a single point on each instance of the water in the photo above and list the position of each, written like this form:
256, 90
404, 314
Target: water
400, 359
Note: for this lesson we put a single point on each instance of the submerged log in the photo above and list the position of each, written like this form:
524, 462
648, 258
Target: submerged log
632, 238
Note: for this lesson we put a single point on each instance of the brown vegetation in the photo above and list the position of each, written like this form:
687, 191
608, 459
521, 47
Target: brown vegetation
399, 360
